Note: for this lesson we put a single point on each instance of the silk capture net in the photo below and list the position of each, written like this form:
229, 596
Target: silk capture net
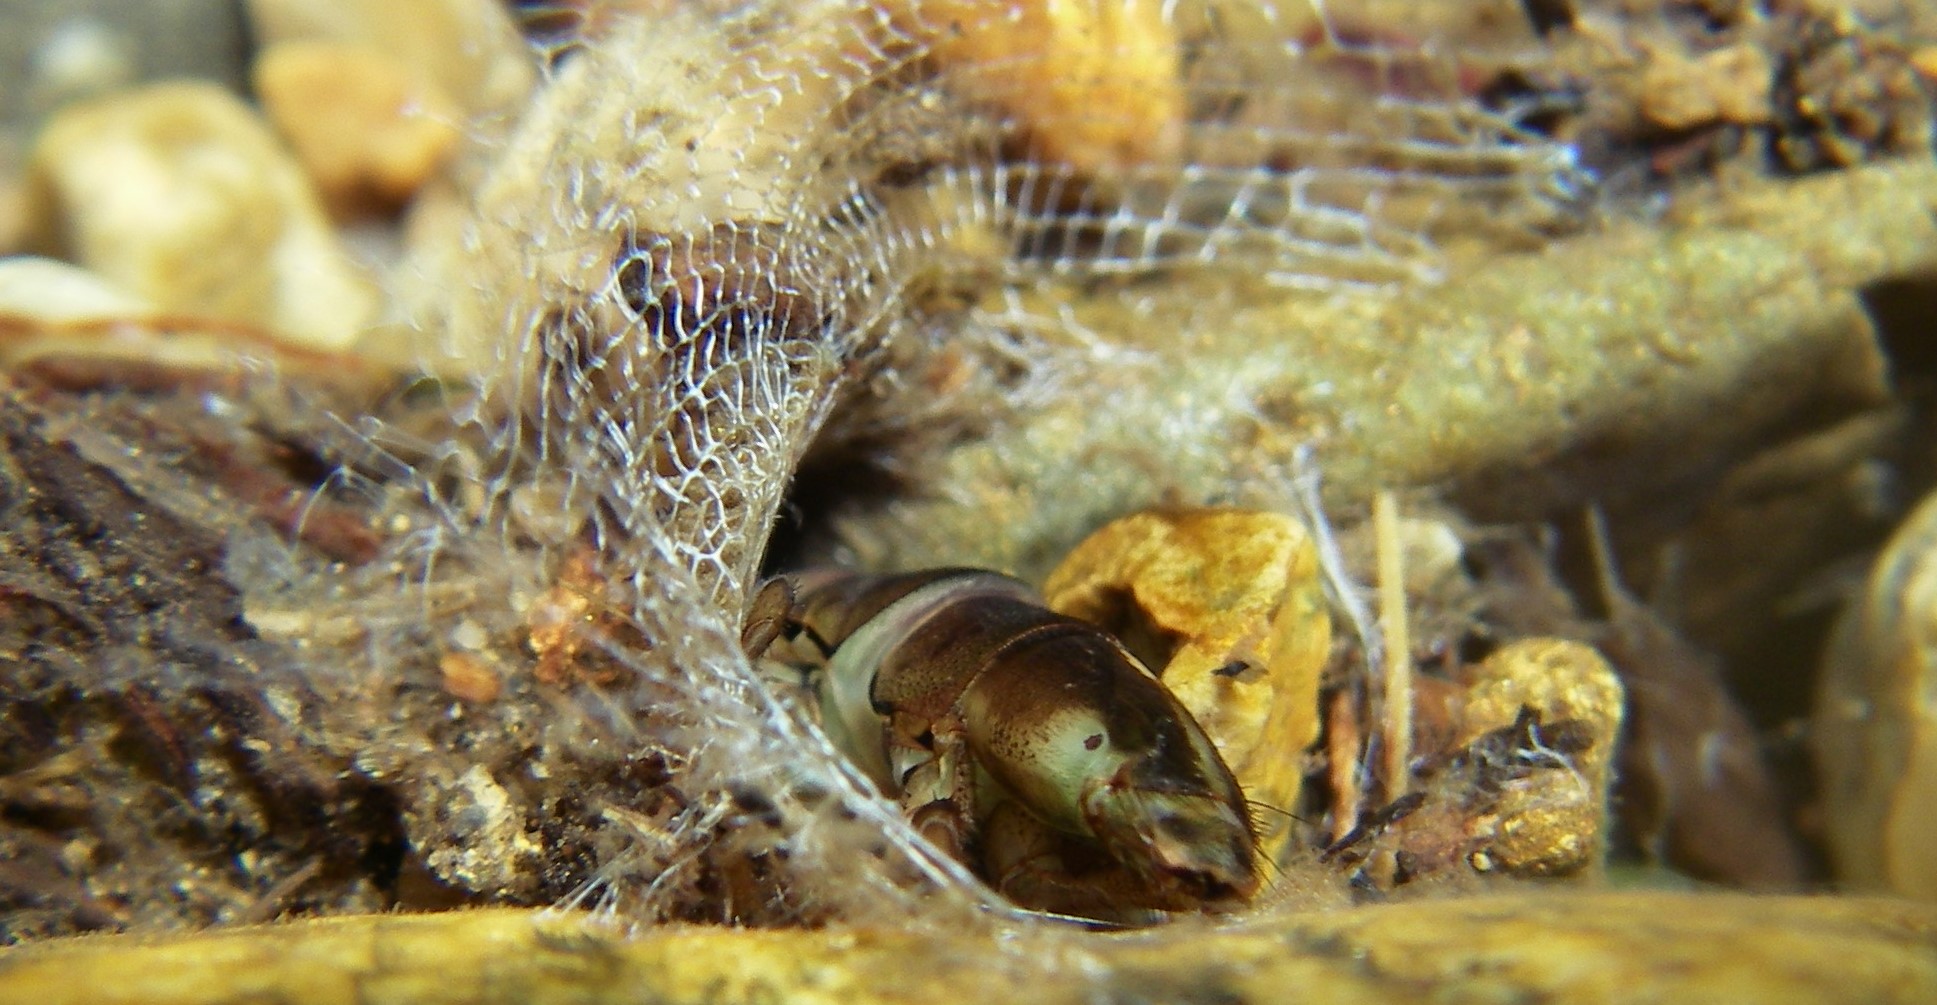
717, 240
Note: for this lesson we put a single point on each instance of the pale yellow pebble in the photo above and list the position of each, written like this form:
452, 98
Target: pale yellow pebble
54, 292
52, 309
180, 194
1730, 85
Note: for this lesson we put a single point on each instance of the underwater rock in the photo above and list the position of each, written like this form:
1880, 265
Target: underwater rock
181, 194
1549, 810
1876, 721
49, 292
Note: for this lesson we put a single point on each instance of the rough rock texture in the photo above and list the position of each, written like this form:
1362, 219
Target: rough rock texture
1623, 366
1610, 949
1229, 607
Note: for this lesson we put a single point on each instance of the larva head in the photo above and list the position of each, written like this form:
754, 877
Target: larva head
1190, 843
1092, 744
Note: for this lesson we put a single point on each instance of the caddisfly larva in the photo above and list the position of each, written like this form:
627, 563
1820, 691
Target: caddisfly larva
1029, 744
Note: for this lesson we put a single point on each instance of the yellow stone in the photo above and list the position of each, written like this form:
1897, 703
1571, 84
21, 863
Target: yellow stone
1729, 85
1551, 822
1611, 948
1228, 604
1559, 679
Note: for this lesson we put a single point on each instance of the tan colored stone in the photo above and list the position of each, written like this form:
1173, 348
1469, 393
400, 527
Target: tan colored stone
1100, 85
1229, 606
369, 131
180, 194
470, 53
1728, 85
468, 678
469, 50
51, 309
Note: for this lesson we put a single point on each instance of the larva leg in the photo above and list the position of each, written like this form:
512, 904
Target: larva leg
1044, 870
938, 792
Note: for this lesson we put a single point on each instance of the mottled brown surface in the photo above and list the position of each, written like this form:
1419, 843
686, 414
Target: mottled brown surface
149, 778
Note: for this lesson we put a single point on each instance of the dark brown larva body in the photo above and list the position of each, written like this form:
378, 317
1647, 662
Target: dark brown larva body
964, 696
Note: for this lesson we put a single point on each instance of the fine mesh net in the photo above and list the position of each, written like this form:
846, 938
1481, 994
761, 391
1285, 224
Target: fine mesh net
720, 221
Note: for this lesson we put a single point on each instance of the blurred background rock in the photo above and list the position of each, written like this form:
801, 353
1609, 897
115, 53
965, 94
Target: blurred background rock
55, 53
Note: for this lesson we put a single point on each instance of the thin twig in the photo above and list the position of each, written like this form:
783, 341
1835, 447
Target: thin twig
1397, 720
